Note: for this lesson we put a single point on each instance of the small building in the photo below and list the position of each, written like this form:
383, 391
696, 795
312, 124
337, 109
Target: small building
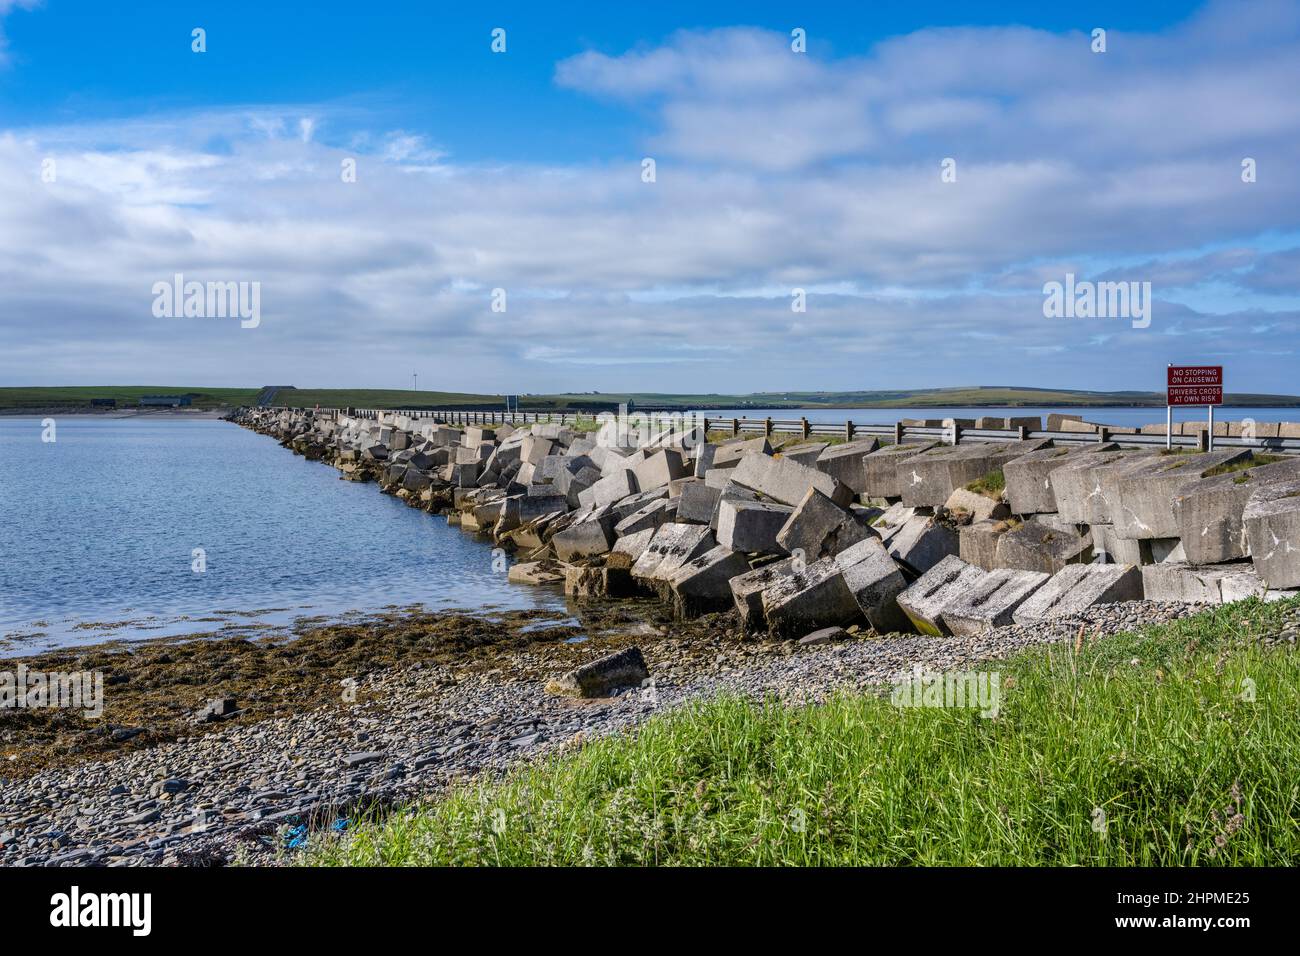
165, 401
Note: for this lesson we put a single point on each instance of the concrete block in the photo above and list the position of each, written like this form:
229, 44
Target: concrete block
881, 475
922, 542
613, 487
992, 602
1036, 547
875, 581
586, 537
787, 482
924, 601
660, 468
698, 503
1118, 550
1201, 585
821, 528
844, 463
751, 526
671, 547
977, 542
1084, 487
979, 507
804, 454
747, 591
1078, 587
928, 479
537, 572
651, 516
599, 678
728, 454
1029, 477
703, 583
1144, 506
1272, 519
1209, 510
800, 602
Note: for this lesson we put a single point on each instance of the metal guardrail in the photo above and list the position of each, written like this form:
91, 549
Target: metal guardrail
897, 432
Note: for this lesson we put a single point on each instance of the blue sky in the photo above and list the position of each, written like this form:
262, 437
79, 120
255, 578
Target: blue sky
521, 171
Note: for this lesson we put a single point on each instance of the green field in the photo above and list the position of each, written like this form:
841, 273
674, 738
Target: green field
1170, 747
79, 396
974, 396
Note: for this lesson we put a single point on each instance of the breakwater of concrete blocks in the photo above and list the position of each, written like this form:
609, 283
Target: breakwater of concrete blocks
916, 535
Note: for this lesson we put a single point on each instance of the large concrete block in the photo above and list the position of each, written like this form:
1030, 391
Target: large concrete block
881, 476
1209, 510
978, 506
628, 548
586, 537
751, 526
804, 454
1029, 477
747, 591
977, 542
1145, 496
660, 468
1117, 550
925, 600
697, 503
922, 542
671, 547
844, 463
1078, 587
992, 602
651, 516
729, 453
1199, 585
1085, 487
875, 581
787, 482
613, 487
1272, 519
800, 602
928, 479
820, 528
703, 583
1037, 547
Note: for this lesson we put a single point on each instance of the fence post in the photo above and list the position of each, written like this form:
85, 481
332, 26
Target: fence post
1103, 434
735, 427
956, 432
1203, 440
898, 433
804, 420
767, 426
1022, 432
849, 428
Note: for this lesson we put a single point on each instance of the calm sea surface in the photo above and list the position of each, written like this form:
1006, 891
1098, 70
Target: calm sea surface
98, 530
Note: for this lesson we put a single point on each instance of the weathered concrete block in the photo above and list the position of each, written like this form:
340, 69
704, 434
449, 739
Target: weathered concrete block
613, 487
537, 572
697, 503
747, 591
979, 507
1029, 477
924, 601
992, 602
599, 678
728, 453
751, 526
922, 542
651, 516
660, 468
628, 548
703, 583
1036, 547
787, 482
875, 581
1078, 587
977, 542
800, 602
585, 538
804, 454
1199, 585
671, 547
1145, 496
821, 528
928, 479
1209, 510
1118, 550
585, 584
1084, 487
881, 475
1272, 519
844, 463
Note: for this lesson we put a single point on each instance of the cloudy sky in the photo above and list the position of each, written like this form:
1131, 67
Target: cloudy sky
126, 158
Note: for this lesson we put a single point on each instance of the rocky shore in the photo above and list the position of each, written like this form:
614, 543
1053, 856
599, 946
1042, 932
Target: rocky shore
291, 767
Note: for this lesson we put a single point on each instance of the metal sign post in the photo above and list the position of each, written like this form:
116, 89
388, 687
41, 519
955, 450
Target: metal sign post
1193, 385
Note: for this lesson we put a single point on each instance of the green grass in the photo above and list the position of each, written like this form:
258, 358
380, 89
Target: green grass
1155, 730
990, 485
79, 396
1253, 462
